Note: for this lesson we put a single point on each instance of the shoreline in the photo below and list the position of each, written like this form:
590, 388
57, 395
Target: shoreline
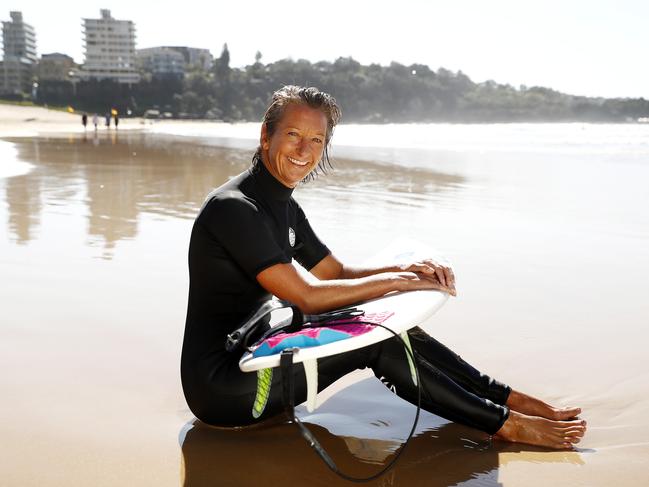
33, 121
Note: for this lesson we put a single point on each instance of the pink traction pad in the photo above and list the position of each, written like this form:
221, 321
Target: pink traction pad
350, 328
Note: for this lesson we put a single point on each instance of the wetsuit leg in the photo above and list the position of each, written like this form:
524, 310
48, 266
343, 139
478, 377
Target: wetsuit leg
441, 394
452, 365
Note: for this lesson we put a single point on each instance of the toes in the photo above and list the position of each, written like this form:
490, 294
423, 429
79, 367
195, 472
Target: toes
577, 422
566, 413
570, 410
575, 430
569, 427
567, 421
578, 433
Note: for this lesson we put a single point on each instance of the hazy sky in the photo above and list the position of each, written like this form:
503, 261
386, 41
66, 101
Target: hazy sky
585, 47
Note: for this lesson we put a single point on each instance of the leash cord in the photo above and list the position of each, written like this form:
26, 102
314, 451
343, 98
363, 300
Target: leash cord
286, 361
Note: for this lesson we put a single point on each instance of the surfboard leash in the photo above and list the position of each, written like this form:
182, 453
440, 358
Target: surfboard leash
288, 398
248, 331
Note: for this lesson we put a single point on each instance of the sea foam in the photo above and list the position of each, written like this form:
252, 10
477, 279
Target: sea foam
10, 166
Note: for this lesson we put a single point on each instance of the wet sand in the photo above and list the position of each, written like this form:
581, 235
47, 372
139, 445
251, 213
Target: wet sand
93, 258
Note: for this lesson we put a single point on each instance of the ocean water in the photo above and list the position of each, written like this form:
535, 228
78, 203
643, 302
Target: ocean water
505, 137
594, 172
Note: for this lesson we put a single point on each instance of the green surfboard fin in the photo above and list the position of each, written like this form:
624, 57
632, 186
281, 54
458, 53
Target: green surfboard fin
264, 381
413, 372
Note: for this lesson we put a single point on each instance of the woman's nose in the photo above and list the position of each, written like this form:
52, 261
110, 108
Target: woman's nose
302, 146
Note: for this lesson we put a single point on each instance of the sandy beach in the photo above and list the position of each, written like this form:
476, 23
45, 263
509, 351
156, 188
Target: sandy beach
549, 250
26, 121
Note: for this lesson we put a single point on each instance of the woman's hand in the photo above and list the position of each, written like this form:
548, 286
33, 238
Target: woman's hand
432, 270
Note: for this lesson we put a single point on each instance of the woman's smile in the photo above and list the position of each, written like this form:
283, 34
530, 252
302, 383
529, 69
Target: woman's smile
297, 162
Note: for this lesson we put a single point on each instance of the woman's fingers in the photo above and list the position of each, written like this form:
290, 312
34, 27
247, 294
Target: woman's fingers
440, 275
433, 271
422, 267
431, 281
451, 277
444, 273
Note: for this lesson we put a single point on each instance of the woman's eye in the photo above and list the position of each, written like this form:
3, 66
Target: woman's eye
293, 134
317, 140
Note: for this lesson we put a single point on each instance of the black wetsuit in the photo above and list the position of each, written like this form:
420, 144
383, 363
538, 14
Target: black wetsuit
249, 224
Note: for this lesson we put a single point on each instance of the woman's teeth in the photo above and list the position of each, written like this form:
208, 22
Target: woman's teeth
298, 162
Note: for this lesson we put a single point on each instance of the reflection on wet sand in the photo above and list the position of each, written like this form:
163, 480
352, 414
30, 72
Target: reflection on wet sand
113, 178
24, 200
440, 454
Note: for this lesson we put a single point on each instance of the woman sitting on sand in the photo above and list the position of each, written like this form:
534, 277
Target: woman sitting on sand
241, 250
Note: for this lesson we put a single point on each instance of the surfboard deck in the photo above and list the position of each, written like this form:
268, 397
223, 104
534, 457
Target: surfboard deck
408, 310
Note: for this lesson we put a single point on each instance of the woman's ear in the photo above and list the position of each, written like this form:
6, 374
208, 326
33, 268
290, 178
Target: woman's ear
264, 140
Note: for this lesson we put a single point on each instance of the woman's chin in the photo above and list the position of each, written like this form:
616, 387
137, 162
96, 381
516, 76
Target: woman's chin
298, 176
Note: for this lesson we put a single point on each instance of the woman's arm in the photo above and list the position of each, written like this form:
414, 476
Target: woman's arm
312, 295
332, 268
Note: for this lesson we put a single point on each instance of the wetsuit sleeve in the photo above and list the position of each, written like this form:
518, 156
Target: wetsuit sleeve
309, 249
240, 228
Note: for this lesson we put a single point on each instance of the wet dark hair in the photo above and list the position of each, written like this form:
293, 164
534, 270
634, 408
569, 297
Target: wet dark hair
311, 97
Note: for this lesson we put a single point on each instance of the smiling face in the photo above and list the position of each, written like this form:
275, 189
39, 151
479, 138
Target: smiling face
297, 144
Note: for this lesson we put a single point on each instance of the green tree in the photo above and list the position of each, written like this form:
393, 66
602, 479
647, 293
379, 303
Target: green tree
223, 87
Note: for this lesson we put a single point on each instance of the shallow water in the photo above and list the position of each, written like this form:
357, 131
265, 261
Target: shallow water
550, 250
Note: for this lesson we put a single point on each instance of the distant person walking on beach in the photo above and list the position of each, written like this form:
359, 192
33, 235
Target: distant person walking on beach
84, 120
116, 118
108, 120
95, 121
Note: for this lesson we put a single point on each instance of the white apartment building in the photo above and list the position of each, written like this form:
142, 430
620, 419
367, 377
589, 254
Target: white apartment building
161, 61
109, 49
19, 61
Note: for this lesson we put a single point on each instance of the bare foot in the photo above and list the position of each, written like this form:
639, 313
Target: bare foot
532, 406
533, 430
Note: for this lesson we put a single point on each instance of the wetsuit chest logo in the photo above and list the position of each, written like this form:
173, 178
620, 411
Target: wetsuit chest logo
291, 237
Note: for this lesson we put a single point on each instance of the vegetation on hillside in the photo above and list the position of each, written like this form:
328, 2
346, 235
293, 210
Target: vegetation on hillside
367, 94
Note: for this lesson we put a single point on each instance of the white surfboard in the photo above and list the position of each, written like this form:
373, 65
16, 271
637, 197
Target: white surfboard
405, 310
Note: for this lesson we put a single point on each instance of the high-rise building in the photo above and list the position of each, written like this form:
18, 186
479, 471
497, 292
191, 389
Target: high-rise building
110, 49
19, 43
